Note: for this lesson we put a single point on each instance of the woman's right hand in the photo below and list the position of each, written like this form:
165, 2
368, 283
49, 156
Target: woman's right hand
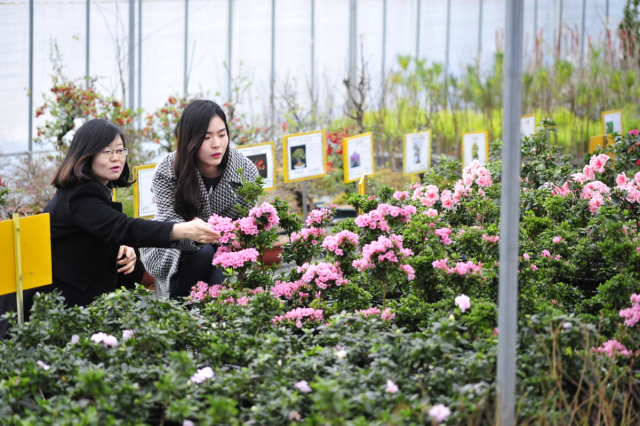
196, 230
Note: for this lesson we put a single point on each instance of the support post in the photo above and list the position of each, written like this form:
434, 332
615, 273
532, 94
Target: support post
509, 215
132, 56
560, 28
305, 209
480, 30
313, 51
140, 61
446, 53
535, 19
30, 76
384, 40
87, 42
273, 60
18, 263
584, 19
229, 46
418, 30
186, 46
353, 40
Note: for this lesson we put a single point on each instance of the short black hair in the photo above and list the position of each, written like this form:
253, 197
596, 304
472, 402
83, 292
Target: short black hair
90, 139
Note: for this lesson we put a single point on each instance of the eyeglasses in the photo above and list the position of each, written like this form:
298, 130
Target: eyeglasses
119, 152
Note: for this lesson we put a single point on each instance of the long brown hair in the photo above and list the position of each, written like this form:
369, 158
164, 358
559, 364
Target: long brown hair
90, 139
190, 133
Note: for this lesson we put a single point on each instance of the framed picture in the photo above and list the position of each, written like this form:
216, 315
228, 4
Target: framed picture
527, 125
611, 122
357, 155
305, 156
262, 155
475, 146
144, 200
416, 152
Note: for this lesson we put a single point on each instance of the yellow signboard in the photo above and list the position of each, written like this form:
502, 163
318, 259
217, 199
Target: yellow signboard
144, 201
362, 185
305, 156
611, 121
595, 141
34, 254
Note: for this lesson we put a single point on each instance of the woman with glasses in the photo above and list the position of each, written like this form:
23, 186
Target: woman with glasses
91, 239
197, 180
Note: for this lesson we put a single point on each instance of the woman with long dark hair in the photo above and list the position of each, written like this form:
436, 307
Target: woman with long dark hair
198, 179
91, 239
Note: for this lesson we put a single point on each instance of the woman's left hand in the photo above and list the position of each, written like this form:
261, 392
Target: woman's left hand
127, 259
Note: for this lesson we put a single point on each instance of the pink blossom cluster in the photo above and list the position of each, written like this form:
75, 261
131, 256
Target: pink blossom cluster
319, 217
461, 268
287, 289
201, 290
247, 225
307, 234
548, 255
401, 195
427, 195
383, 249
633, 132
632, 315
377, 219
298, 315
596, 165
386, 315
343, 239
266, 215
225, 226
324, 275
595, 193
475, 172
236, 259
105, 338
492, 239
630, 186
444, 233
613, 347
563, 190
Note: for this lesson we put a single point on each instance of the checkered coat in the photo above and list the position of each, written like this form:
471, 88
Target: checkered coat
162, 263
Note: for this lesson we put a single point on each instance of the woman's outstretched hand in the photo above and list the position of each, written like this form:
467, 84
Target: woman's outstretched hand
196, 230
126, 259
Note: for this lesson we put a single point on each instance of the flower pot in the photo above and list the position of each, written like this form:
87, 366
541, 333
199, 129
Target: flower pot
272, 255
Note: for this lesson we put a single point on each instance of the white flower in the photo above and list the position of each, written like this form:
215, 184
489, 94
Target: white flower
294, 415
107, 339
452, 318
463, 302
44, 366
75, 339
98, 337
567, 325
391, 387
202, 374
302, 386
127, 334
187, 423
341, 354
279, 363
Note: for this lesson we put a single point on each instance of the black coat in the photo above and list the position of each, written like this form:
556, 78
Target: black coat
87, 230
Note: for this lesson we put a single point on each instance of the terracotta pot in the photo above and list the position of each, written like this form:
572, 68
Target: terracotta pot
273, 255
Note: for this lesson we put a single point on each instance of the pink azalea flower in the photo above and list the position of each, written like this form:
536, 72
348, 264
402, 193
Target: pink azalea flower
439, 413
526, 256
534, 267
588, 173
202, 374
302, 386
463, 302
44, 366
391, 387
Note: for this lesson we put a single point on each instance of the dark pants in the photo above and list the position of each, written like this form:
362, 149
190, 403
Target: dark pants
195, 266
72, 296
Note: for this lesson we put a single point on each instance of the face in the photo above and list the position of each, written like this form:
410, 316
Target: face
213, 148
108, 168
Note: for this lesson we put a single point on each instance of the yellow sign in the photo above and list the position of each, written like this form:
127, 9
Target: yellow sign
475, 146
263, 156
362, 185
33, 256
357, 157
144, 201
416, 152
596, 141
305, 156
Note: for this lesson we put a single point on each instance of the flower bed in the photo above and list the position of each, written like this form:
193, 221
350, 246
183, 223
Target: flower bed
312, 346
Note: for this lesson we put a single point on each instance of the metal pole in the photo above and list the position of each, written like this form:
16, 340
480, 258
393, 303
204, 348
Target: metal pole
418, 30
446, 53
606, 13
560, 28
30, 76
353, 39
305, 209
273, 58
384, 38
509, 215
230, 43
313, 49
186, 45
140, 61
88, 39
132, 51
584, 18
18, 266
480, 29
535, 19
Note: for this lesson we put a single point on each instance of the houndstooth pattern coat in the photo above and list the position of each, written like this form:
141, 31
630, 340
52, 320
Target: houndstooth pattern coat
162, 263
